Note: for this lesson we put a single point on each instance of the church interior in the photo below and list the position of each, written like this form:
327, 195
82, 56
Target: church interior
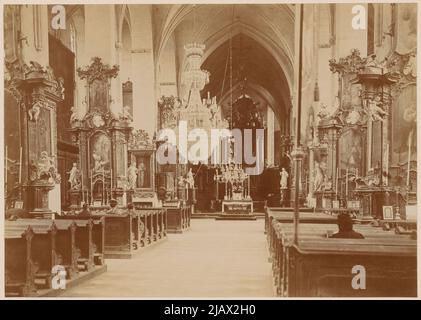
104, 109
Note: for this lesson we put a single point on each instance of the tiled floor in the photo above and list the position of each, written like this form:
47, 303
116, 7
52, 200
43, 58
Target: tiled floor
213, 259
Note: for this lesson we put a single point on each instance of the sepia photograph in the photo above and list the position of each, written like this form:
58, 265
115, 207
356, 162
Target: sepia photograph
210, 150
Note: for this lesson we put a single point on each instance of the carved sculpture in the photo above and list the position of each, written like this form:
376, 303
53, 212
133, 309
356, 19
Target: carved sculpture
74, 177
132, 175
374, 109
318, 177
35, 111
125, 115
190, 179
46, 168
284, 179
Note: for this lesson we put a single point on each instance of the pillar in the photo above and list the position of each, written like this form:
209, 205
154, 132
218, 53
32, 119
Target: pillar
144, 90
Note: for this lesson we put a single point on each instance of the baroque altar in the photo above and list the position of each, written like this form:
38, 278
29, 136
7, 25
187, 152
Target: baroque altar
141, 171
102, 137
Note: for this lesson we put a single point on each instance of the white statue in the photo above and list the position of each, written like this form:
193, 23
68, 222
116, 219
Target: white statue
318, 177
35, 111
98, 163
375, 111
284, 179
74, 177
141, 174
74, 116
125, 115
190, 179
132, 175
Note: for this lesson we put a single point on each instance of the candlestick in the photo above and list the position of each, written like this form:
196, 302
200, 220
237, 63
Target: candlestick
111, 182
103, 186
337, 182
5, 175
81, 181
92, 188
346, 185
20, 165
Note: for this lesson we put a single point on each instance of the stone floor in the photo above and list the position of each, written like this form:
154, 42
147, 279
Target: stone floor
213, 259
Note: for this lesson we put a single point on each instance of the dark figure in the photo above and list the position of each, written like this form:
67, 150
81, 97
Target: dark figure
113, 205
85, 212
130, 208
345, 228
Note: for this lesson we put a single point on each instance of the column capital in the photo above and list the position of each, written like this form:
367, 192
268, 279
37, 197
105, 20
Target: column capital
298, 153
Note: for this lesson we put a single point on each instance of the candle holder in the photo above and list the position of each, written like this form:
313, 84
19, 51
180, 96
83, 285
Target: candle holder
397, 215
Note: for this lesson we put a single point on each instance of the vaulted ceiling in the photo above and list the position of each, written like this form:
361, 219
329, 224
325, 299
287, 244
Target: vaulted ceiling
262, 41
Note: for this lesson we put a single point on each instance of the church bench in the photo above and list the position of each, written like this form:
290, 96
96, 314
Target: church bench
156, 223
178, 219
98, 233
281, 215
65, 243
19, 268
137, 230
378, 242
325, 269
42, 248
118, 236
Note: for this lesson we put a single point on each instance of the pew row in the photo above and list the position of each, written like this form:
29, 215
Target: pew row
128, 233
34, 246
322, 267
178, 219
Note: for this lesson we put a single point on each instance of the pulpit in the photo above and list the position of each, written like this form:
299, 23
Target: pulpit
37, 92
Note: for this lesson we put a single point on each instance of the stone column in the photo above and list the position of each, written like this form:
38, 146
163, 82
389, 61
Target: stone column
270, 141
144, 84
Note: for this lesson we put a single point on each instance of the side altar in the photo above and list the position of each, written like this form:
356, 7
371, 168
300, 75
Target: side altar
102, 137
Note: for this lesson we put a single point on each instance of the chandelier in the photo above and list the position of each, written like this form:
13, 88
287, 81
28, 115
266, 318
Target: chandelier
195, 78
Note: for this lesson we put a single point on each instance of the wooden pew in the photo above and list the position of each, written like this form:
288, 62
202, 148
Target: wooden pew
43, 247
20, 270
65, 243
318, 256
178, 219
98, 234
155, 222
281, 215
324, 269
118, 236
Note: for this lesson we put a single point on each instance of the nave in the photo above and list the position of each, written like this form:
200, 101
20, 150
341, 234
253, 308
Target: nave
210, 260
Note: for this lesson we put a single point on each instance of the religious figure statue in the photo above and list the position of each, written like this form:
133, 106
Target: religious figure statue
284, 179
125, 115
375, 110
327, 183
132, 175
190, 179
74, 174
141, 169
46, 165
410, 67
181, 182
74, 117
34, 111
98, 163
318, 177
324, 111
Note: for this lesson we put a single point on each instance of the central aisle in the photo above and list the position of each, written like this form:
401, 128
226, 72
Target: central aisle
213, 259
